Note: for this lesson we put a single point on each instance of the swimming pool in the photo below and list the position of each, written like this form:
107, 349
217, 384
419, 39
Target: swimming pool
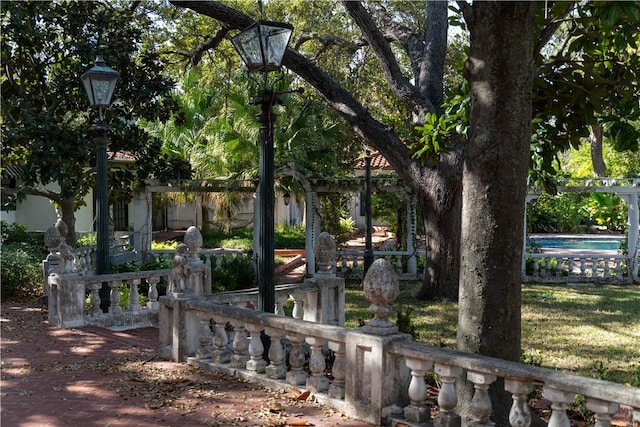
611, 243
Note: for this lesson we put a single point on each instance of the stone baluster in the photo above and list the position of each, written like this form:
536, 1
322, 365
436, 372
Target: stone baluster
277, 368
355, 264
447, 398
583, 266
418, 411
296, 375
603, 411
317, 382
481, 403
256, 349
153, 304
571, 266
114, 297
338, 370
519, 416
240, 346
95, 299
279, 306
134, 296
618, 268
298, 306
536, 267
607, 268
205, 337
399, 264
560, 400
220, 351
547, 266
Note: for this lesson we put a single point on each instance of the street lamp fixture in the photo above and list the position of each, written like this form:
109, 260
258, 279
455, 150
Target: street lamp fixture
262, 46
100, 82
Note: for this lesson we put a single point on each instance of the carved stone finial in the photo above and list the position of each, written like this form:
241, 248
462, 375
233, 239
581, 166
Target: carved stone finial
193, 240
325, 251
52, 239
381, 287
62, 228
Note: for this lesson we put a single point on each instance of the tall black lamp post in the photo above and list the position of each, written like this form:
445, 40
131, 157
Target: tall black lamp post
100, 82
261, 47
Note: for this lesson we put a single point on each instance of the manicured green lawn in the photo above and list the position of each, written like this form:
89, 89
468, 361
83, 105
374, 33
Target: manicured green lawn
592, 331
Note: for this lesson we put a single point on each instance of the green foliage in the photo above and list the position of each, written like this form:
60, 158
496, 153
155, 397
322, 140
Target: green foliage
554, 214
89, 239
605, 209
437, 130
19, 233
21, 273
290, 236
45, 124
335, 216
620, 164
234, 273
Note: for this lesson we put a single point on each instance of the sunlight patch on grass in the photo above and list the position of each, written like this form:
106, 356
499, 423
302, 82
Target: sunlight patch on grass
592, 331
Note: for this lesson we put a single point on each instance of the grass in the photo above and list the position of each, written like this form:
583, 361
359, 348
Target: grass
285, 237
590, 331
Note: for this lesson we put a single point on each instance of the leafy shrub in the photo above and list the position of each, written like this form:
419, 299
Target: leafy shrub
554, 214
21, 262
234, 273
89, 239
21, 273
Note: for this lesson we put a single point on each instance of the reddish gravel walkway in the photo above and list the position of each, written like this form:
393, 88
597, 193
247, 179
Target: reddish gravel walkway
96, 377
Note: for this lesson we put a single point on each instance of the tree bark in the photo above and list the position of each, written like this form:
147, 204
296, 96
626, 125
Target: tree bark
500, 72
597, 159
68, 215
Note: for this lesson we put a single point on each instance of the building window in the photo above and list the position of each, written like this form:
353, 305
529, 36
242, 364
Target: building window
121, 216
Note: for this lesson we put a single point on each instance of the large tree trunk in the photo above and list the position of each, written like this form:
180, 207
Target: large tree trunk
440, 199
597, 160
500, 71
68, 215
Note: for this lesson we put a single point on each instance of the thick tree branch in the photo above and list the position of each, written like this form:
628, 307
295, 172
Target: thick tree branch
33, 192
398, 83
195, 56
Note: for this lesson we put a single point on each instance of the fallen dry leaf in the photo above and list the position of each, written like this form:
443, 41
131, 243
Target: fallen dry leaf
304, 395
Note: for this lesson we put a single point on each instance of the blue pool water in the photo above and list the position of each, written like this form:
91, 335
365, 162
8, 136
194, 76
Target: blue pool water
595, 243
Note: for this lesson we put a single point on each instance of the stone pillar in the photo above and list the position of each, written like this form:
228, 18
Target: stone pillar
633, 227
375, 379
199, 282
179, 329
51, 263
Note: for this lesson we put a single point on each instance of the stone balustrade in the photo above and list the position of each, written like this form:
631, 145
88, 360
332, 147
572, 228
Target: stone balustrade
575, 267
68, 296
372, 373
211, 257
349, 263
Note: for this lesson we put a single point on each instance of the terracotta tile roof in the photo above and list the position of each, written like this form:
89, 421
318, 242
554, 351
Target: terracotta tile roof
377, 162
